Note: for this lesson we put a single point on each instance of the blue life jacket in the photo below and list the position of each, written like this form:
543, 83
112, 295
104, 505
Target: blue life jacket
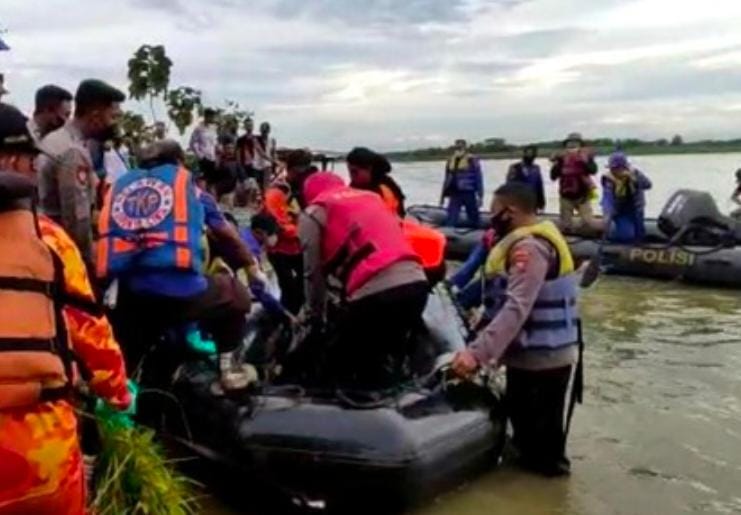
464, 172
152, 220
554, 320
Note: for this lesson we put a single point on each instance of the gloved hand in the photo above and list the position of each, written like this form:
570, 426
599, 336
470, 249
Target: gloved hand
115, 416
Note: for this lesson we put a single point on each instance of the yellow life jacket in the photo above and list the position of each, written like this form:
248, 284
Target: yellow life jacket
459, 162
496, 263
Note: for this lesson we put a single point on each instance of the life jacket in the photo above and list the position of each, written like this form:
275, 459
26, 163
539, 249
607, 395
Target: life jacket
151, 220
428, 243
463, 172
530, 179
35, 358
623, 189
391, 201
361, 238
575, 182
554, 320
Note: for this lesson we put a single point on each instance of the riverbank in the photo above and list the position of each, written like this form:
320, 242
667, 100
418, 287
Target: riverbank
516, 153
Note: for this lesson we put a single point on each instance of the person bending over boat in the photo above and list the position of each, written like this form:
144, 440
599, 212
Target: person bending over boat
350, 235
573, 169
283, 201
463, 185
469, 292
370, 171
43, 320
624, 200
535, 331
528, 172
151, 234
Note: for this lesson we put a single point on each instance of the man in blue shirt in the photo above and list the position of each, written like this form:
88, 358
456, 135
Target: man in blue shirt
624, 200
159, 297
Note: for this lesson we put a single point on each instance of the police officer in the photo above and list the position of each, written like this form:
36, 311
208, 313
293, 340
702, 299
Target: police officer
52, 109
464, 185
66, 176
534, 331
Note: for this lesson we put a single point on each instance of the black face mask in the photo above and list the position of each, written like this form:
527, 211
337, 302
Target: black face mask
500, 224
107, 134
528, 160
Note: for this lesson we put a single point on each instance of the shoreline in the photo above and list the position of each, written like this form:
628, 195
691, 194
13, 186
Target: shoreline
406, 157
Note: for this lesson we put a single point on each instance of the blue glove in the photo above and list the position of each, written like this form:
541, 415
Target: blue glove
198, 344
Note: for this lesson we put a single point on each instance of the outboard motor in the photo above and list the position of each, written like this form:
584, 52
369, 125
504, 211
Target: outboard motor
692, 218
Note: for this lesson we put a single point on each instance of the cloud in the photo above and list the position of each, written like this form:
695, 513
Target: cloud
336, 73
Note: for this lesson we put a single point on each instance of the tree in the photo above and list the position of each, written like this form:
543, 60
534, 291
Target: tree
677, 141
133, 128
149, 74
182, 104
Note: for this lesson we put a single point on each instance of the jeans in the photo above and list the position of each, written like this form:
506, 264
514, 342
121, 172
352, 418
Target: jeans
628, 227
467, 200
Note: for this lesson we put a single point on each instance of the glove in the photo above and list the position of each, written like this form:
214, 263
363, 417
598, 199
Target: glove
198, 344
115, 416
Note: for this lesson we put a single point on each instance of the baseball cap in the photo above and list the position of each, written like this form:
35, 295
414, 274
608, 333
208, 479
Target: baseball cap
14, 133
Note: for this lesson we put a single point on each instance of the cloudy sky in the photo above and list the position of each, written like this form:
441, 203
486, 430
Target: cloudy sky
405, 73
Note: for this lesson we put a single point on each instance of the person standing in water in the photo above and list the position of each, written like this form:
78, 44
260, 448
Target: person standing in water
464, 185
528, 172
573, 169
534, 329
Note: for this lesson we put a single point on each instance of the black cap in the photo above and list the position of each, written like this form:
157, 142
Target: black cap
14, 133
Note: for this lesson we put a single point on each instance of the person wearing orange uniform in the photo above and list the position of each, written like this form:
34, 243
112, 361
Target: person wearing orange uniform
41, 468
283, 202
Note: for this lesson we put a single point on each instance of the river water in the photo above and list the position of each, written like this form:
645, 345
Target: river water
660, 429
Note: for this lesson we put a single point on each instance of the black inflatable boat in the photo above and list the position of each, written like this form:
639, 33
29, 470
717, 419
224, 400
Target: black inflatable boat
691, 241
383, 451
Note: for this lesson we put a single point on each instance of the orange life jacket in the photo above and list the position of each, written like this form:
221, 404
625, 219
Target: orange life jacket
361, 238
34, 351
428, 243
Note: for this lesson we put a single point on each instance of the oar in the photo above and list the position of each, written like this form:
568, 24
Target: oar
592, 271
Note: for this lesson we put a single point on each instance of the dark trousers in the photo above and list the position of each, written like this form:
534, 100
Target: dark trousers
467, 200
220, 311
374, 337
539, 406
290, 271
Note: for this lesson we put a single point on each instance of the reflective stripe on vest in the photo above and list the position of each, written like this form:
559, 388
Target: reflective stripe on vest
151, 219
361, 237
553, 321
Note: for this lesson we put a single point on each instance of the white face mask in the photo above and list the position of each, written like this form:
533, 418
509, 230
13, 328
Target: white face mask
272, 240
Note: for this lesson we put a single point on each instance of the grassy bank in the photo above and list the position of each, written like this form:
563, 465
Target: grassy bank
544, 151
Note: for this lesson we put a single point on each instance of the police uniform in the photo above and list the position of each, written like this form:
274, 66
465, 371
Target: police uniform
67, 184
534, 331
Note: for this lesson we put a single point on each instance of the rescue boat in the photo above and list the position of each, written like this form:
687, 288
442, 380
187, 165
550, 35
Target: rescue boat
691, 241
373, 452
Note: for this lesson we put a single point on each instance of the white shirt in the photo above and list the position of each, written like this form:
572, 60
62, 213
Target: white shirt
114, 165
203, 142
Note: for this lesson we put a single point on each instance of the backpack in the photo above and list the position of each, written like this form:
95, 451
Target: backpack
35, 358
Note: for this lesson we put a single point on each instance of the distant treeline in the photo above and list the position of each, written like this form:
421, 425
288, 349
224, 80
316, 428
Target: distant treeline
498, 148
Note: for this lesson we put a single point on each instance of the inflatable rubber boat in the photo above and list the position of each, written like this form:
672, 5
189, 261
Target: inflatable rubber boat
690, 241
371, 451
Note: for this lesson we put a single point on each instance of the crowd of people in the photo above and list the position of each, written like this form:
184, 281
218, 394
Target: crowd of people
118, 257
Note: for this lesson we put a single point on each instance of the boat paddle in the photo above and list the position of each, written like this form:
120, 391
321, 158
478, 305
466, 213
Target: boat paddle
591, 273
